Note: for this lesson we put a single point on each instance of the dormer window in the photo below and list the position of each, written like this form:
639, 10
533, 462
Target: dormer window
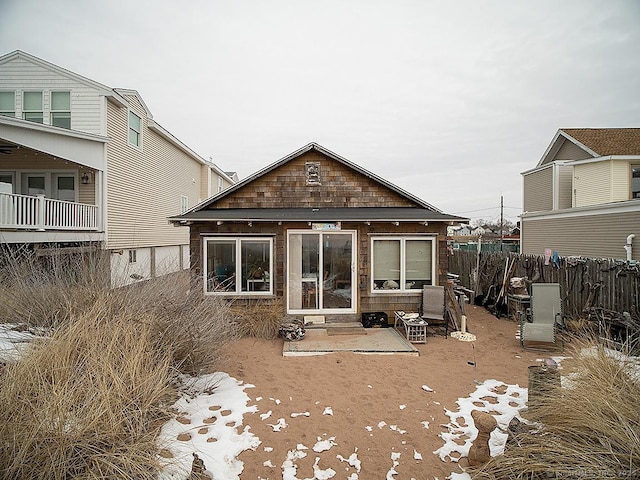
135, 130
61, 109
32, 107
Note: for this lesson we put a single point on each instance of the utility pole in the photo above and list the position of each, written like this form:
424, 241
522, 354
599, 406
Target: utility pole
501, 220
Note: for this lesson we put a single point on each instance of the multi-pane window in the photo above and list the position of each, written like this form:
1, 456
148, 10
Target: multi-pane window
402, 263
66, 188
635, 181
61, 109
32, 107
135, 130
238, 265
8, 104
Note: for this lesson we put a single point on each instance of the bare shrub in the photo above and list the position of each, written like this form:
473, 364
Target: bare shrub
590, 428
87, 402
260, 319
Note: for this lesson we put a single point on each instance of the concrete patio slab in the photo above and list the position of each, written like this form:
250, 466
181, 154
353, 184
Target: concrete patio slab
377, 341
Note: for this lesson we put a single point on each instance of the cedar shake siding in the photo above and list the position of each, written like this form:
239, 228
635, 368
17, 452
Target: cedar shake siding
281, 200
285, 187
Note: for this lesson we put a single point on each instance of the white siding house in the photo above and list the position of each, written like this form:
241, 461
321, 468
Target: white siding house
87, 166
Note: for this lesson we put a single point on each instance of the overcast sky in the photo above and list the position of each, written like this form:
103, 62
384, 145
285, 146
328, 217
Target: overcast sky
449, 100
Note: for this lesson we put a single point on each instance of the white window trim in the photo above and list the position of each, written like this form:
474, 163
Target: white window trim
354, 274
140, 139
403, 239
184, 203
238, 291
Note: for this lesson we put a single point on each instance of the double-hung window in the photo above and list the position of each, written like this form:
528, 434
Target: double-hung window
135, 130
61, 109
402, 263
635, 181
32, 107
8, 104
238, 265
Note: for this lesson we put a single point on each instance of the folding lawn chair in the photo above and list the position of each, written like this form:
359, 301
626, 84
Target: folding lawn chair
434, 308
544, 315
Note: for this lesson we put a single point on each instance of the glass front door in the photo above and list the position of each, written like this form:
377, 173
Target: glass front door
320, 272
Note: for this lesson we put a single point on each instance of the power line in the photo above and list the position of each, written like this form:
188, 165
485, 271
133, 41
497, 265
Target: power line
486, 209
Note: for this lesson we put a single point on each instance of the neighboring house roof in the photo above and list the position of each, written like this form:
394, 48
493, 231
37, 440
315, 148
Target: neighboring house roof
594, 142
110, 93
116, 95
607, 141
422, 212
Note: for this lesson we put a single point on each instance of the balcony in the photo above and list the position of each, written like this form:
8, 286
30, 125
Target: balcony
24, 212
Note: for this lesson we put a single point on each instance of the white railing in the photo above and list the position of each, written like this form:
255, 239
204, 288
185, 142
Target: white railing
40, 213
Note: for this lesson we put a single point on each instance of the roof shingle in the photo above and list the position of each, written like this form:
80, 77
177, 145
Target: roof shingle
608, 141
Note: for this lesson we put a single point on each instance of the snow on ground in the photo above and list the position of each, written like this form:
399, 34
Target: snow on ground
208, 423
217, 413
13, 340
502, 401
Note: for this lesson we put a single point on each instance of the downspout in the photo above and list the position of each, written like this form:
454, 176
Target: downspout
628, 246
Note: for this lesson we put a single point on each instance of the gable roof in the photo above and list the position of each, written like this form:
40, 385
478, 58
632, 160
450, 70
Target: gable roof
116, 95
422, 211
328, 153
595, 142
110, 93
607, 141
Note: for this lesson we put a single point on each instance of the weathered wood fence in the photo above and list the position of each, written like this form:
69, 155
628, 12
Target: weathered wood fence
584, 283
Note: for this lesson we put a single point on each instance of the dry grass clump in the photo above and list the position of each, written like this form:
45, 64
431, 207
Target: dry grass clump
46, 291
588, 429
194, 329
87, 402
260, 319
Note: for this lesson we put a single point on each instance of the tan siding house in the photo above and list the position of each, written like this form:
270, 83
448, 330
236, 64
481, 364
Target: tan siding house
595, 184
86, 166
538, 191
321, 234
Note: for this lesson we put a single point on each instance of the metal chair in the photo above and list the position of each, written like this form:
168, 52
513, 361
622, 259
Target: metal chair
434, 308
538, 324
